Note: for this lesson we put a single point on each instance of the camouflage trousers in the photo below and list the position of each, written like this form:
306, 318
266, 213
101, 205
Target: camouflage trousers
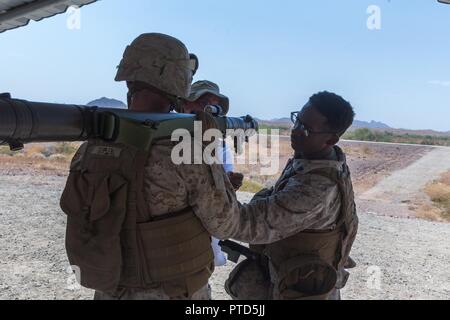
153, 294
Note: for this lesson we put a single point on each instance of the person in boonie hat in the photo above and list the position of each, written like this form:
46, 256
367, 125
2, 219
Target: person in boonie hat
202, 94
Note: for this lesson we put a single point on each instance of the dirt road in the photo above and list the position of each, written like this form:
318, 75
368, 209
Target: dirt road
394, 195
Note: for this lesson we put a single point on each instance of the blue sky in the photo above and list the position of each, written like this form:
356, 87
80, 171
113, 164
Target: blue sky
267, 56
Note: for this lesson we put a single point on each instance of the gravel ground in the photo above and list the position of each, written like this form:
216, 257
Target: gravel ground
32, 255
398, 258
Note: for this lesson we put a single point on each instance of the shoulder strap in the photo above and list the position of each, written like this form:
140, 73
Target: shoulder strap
337, 177
347, 219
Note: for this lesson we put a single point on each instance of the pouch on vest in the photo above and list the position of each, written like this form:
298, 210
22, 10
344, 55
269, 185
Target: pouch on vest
306, 278
249, 280
95, 201
173, 249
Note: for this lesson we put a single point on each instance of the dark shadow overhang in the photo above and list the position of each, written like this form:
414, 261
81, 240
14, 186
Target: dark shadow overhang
18, 13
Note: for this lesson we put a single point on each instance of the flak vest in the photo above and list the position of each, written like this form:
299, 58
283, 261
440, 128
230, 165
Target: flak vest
306, 265
111, 240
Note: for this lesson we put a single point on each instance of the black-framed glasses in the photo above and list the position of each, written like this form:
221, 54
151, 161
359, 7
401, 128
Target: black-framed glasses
299, 125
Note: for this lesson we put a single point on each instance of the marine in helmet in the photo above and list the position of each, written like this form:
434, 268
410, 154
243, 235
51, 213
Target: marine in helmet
158, 71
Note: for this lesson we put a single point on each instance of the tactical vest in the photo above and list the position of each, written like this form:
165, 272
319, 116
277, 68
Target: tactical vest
111, 238
306, 265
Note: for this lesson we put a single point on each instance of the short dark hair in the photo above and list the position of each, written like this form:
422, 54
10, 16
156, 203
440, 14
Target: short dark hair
339, 112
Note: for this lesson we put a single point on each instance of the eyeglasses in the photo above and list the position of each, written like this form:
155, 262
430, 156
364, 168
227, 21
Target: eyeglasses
299, 125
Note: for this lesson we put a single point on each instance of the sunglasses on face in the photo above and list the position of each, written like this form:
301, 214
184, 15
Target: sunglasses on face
301, 126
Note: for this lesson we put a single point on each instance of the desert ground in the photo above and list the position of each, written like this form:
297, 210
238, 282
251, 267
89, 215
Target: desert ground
399, 255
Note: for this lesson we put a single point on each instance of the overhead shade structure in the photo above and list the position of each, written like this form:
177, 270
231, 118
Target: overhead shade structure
18, 13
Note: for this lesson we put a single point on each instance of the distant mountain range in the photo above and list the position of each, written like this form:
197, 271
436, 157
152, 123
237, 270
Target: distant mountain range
107, 103
356, 124
286, 122
370, 125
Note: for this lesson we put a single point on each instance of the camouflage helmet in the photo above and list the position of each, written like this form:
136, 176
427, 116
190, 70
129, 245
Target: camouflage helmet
203, 87
160, 61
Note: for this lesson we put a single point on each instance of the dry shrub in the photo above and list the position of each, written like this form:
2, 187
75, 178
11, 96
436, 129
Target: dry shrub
34, 149
57, 157
251, 186
19, 155
366, 150
446, 178
67, 148
358, 151
429, 212
36, 155
5, 151
439, 193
